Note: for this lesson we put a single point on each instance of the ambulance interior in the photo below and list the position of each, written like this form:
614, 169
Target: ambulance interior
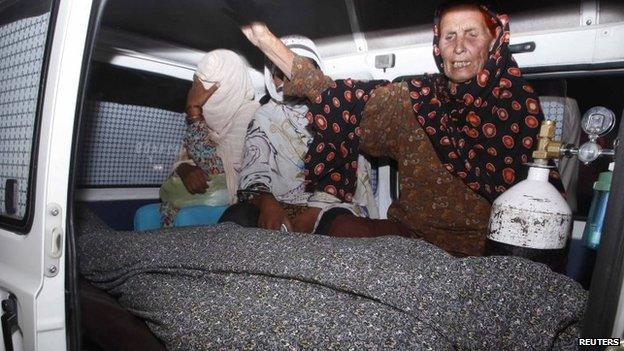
145, 53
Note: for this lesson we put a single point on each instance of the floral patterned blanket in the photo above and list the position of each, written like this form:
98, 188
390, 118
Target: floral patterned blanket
228, 287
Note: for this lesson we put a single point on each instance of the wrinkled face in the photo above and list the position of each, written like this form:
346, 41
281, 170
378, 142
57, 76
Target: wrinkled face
465, 42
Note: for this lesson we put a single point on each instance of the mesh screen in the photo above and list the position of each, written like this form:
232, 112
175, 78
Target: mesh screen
554, 111
22, 48
129, 145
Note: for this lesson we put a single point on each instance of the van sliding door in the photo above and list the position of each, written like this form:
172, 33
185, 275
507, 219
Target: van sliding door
41, 49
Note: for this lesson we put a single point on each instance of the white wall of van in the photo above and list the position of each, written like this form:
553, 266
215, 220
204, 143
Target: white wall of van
26, 260
600, 43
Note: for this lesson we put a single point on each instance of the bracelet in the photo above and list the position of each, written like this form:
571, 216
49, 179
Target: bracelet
248, 194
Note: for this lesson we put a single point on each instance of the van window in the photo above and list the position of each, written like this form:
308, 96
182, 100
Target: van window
24, 28
134, 127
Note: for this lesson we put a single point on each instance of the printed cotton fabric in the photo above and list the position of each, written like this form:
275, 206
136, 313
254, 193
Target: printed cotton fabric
277, 141
433, 203
277, 138
225, 287
482, 130
199, 150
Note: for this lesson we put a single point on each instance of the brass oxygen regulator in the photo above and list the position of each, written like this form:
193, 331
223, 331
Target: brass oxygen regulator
596, 122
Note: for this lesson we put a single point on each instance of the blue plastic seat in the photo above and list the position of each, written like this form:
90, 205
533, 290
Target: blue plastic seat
148, 217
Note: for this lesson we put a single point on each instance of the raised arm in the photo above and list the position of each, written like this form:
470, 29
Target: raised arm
259, 35
194, 178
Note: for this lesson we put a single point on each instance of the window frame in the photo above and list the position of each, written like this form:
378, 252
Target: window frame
22, 226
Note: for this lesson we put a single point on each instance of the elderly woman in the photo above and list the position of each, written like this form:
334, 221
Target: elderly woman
219, 107
460, 138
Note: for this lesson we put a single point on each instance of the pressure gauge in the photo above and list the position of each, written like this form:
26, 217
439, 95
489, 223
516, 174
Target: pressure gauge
589, 151
598, 121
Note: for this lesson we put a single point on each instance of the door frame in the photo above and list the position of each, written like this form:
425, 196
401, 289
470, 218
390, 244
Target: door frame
24, 268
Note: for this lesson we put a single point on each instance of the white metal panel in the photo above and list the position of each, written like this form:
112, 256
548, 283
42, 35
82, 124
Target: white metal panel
132, 43
590, 13
586, 45
334, 46
42, 300
358, 36
55, 153
609, 43
558, 48
155, 63
383, 191
571, 46
144, 62
112, 194
577, 230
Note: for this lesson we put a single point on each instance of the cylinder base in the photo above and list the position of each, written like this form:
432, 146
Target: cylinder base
553, 258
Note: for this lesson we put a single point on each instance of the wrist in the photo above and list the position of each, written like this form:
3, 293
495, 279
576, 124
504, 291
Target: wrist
260, 199
194, 113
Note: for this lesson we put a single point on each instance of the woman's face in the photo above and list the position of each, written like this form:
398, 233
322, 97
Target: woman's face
465, 43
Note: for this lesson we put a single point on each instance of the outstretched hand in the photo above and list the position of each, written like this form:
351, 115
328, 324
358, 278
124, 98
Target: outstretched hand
249, 17
255, 31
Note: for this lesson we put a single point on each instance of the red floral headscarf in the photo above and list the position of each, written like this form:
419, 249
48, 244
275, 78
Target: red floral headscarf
482, 130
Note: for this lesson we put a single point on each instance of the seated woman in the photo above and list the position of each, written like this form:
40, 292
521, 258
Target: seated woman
271, 181
218, 109
460, 137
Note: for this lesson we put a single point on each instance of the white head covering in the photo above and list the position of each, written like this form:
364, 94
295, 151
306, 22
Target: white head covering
229, 110
301, 46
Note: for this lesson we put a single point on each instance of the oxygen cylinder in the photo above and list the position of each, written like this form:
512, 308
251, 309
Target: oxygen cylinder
531, 220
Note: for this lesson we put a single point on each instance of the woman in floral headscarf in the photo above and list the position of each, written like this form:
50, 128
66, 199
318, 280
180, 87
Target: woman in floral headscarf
460, 137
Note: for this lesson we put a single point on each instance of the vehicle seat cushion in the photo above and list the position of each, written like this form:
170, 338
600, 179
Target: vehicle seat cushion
148, 217
199, 215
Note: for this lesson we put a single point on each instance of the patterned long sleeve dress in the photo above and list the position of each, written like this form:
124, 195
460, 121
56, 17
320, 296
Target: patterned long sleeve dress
433, 203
